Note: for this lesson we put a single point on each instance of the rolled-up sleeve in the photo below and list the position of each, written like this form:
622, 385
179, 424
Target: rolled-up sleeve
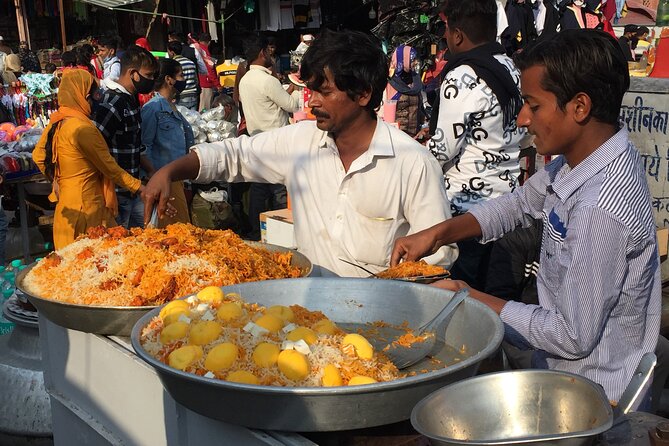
261, 158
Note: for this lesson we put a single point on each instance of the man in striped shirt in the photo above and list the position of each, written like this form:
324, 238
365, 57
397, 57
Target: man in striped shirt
599, 284
189, 96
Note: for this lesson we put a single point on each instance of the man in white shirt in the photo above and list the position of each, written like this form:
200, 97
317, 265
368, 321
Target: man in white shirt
476, 139
110, 61
356, 183
266, 106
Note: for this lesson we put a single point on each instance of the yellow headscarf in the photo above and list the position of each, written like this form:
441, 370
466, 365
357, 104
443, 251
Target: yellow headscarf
72, 91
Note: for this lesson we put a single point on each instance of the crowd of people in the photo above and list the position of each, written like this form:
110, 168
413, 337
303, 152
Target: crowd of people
442, 183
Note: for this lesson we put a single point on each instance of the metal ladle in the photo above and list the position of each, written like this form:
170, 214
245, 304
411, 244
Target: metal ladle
405, 356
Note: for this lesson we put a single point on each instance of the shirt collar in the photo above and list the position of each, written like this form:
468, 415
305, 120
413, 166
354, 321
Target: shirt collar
381, 144
113, 85
565, 185
261, 68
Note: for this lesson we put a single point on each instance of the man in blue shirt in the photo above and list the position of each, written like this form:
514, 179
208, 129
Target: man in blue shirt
598, 283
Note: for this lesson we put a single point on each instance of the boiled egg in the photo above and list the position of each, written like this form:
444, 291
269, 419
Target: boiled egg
331, 376
229, 311
281, 311
211, 294
242, 377
293, 365
265, 354
359, 380
204, 332
223, 356
363, 348
324, 326
174, 331
270, 322
184, 356
307, 334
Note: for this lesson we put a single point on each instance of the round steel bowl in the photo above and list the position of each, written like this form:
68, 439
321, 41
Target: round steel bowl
346, 301
516, 407
116, 320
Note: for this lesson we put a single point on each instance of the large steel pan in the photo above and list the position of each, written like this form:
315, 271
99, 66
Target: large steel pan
350, 303
534, 407
115, 320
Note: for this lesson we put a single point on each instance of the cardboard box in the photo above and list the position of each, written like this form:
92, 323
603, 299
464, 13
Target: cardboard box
276, 228
663, 241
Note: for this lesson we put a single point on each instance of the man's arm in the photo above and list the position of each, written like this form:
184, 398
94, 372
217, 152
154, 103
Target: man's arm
457, 103
288, 102
108, 120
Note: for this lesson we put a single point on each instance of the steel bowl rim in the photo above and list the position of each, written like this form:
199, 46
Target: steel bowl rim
39, 299
315, 391
586, 433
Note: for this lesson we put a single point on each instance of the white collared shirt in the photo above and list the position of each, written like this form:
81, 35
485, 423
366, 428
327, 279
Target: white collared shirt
393, 189
266, 103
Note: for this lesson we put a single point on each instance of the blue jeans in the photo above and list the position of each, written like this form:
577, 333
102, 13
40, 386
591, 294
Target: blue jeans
130, 211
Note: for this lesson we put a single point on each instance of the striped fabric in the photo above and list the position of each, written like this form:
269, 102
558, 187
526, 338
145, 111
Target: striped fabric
190, 75
599, 279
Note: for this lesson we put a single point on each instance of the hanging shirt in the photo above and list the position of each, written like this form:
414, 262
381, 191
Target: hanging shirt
479, 157
391, 190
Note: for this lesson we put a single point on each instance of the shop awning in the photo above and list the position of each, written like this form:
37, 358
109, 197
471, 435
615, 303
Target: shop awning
111, 3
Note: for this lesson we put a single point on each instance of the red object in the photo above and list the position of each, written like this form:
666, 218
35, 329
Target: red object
661, 67
143, 43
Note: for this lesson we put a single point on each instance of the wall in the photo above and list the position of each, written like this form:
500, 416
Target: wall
645, 115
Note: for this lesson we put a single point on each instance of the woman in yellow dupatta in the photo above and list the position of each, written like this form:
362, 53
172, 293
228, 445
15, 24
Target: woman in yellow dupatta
78, 163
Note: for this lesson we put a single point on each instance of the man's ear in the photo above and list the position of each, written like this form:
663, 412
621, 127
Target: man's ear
458, 37
582, 106
364, 98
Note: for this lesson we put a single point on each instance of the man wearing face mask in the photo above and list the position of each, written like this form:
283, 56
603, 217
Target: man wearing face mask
117, 116
266, 106
627, 40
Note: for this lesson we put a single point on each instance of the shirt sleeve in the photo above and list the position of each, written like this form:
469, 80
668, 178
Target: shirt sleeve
262, 158
426, 204
108, 121
592, 265
149, 127
93, 147
518, 208
39, 152
458, 101
276, 93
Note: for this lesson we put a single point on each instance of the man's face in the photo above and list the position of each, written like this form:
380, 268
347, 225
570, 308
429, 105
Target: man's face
147, 72
333, 109
105, 52
554, 129
271, 48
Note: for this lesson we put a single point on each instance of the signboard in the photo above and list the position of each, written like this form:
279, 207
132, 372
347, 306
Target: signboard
645, 115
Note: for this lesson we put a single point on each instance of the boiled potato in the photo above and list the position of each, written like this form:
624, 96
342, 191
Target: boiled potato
302, 333
204, 332
242, 377
184, 356
363, 348
223, 356
174, 316
270, 322
229, 311
282, 311
324, 326
293, 365
331, 376
266, 354
360, 380
174, 331
174, 306
210, 294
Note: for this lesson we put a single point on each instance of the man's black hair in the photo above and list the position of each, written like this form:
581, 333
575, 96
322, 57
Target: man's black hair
630, 29
69, 59
581, 60
175, 47
641, 30
109, 42
136, 57
253, 45
477, 19
356, 61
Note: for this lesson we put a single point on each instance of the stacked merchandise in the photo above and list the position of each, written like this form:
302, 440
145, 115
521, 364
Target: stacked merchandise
210, 125
16, 146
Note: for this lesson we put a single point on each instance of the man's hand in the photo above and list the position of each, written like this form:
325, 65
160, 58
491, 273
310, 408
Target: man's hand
423, 135
414, 247
156, 193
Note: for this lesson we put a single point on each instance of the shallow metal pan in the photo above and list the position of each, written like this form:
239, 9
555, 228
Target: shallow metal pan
350, 303
116, 320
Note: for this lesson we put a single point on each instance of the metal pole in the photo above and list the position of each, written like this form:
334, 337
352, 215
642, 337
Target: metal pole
62, 24
21, 20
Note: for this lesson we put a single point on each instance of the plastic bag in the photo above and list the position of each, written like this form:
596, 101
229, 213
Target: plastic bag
212, 215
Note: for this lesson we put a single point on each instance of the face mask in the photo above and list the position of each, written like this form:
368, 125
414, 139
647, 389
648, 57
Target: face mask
578, 2
144, 85
180, 86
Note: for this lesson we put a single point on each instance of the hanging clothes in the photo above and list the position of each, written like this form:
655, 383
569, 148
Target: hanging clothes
315, 14
286, 14
301, 13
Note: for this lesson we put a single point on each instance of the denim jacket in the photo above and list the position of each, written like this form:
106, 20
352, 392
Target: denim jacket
165, 132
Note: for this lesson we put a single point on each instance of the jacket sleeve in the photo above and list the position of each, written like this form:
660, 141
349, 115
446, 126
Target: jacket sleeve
91, 143
149, 126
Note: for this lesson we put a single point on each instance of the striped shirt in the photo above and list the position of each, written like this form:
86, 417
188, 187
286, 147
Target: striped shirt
599, 278
190, 75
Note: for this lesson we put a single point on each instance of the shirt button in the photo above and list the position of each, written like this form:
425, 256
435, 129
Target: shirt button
340, 217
